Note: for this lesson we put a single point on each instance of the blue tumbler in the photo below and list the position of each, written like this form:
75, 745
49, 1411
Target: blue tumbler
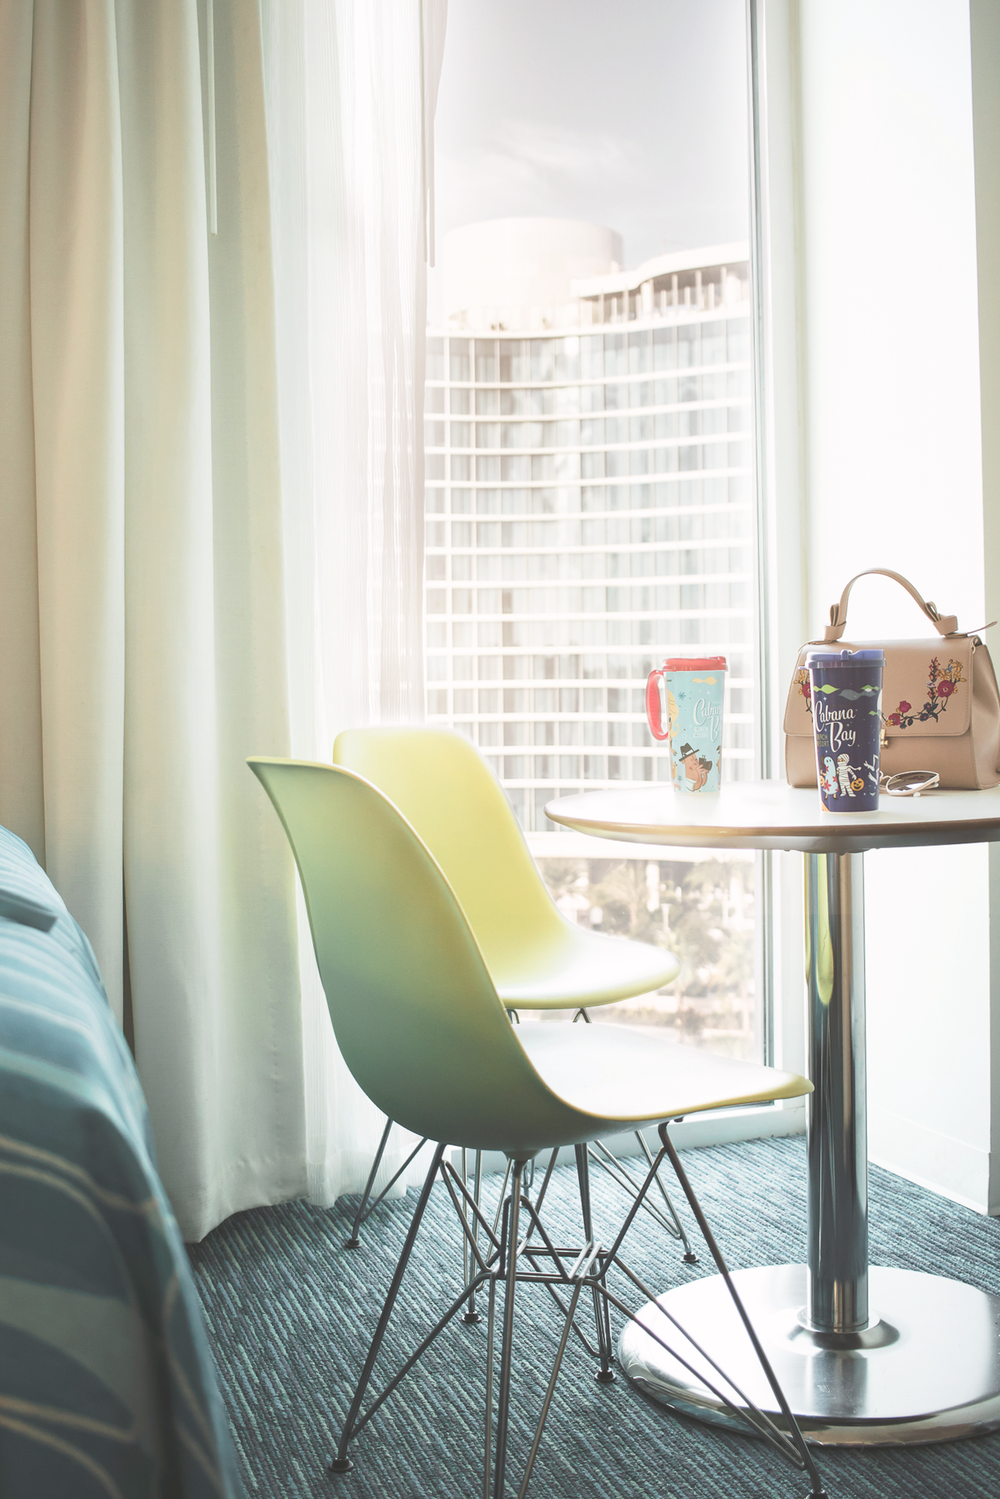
846, 695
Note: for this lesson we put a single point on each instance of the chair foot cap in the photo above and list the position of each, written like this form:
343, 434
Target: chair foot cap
341, 1465
690, 1258
352, 1243
471, 1317
605, 1376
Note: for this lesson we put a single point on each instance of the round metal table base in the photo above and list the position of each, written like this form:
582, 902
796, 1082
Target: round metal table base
926, 1370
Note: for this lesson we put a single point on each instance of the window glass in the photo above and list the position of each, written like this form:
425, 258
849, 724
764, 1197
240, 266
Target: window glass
486, 360
664, 348
615, 354
638, 352
590, 494
543, 359
513, 361
591, 358
688, 345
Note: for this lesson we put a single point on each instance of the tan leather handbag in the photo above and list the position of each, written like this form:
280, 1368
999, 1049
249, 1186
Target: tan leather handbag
940, 704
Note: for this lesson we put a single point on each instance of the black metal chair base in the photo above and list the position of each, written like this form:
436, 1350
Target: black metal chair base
509, 1258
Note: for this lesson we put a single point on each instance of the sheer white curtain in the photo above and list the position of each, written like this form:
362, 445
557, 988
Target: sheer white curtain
349, 112
144, 599
209, 518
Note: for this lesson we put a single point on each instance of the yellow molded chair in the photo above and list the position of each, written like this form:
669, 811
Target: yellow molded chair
421, 1026
537, 959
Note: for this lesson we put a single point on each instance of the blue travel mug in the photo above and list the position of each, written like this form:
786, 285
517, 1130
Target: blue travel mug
845, 697
695, 691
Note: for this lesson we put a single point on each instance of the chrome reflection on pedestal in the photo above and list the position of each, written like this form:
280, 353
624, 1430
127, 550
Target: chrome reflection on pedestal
920, 1360
927, 1370
837, 1116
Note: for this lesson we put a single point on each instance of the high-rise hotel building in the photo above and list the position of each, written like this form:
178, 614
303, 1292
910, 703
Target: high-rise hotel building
589, 499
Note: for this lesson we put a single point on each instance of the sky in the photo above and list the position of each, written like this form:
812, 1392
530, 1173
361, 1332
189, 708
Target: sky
628, 113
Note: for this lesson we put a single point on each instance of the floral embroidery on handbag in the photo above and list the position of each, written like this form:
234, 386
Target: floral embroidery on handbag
804, 684
941, 683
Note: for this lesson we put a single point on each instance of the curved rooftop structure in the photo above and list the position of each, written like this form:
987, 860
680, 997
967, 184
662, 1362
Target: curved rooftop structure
534, 274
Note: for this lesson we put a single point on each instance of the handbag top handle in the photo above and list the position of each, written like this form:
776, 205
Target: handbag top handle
945, 624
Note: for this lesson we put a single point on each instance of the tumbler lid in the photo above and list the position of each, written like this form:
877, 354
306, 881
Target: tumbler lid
695, 663
828, 659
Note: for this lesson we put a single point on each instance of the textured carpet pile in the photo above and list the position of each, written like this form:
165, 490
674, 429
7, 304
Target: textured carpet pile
290, 1312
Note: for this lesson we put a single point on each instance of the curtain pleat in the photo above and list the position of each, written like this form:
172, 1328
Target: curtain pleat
212, 517
76, 288
345, 134
208, 879
22, 800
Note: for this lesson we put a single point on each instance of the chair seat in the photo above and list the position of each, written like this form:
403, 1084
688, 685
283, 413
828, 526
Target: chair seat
628, 1074
585, 968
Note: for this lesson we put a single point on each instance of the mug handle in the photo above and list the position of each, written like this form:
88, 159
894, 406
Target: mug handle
653, 705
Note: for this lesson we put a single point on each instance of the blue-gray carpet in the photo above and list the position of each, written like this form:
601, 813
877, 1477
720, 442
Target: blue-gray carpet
290, 1312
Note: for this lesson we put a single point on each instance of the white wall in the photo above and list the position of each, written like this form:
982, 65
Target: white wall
985, 15
888, 436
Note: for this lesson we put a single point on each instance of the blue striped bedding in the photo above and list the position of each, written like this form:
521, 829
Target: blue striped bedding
107, 1386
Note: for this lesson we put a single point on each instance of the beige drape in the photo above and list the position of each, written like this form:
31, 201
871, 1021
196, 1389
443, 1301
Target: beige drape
148, 641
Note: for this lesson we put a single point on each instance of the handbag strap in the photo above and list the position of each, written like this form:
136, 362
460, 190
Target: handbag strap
945, 624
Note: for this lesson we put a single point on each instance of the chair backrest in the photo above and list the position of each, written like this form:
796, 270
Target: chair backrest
448, 793
414, 1009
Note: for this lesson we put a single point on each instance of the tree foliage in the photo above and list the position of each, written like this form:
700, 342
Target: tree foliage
702, 912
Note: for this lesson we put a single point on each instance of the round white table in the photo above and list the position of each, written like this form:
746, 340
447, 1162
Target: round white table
917, 1360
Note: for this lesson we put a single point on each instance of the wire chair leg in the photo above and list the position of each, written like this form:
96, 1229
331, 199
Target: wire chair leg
818, 1491
690, 1258
342, 1463
354, 1241
467, 1264
605, 1374
470, 1315
491, 1319
550, 1391
509, 1248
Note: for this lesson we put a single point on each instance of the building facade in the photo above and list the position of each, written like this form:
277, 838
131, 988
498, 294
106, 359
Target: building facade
589, 500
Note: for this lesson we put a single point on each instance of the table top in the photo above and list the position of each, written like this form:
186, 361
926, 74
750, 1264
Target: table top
772, 814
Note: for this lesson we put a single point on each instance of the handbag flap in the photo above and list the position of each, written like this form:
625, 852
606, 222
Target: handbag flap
926, 687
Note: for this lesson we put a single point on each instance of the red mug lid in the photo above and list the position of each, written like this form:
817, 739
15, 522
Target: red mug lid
695, 663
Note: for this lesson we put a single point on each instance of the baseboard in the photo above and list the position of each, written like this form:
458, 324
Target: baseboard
930, 1158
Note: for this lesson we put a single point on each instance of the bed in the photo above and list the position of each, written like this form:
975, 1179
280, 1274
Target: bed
107, 1386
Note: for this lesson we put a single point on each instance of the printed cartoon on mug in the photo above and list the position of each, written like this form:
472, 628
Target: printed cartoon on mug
694, 766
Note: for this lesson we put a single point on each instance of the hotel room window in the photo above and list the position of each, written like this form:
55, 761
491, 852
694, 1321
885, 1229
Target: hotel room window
590, 311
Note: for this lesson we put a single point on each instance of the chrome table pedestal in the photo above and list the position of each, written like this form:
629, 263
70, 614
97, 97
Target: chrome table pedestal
866, 1357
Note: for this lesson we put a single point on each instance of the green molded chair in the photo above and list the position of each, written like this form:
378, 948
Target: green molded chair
537, 959
422, 1028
